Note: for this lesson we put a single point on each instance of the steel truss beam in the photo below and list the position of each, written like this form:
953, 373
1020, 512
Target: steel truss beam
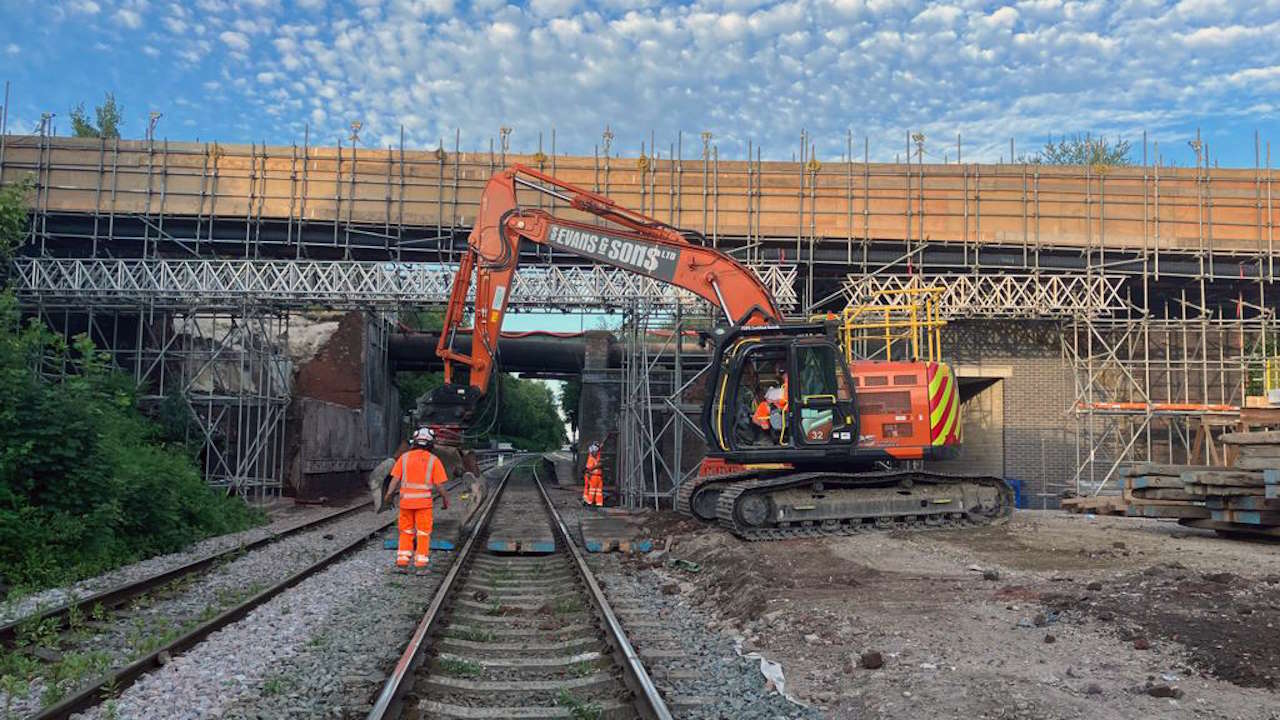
1008, 295
286, 284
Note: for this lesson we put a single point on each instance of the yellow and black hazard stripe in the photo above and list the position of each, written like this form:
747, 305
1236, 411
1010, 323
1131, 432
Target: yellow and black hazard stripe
944, 405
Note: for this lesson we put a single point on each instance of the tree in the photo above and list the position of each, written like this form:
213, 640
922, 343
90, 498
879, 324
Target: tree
527, 414
86, 480
108, 117
413, 384
1084, 150
570, 393
13, 221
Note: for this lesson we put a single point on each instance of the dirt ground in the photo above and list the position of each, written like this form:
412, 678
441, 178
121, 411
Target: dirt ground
1050, 616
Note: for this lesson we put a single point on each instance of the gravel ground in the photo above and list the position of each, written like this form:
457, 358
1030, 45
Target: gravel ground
321, 650
710, 667
151, 621
1050, 617
282, 516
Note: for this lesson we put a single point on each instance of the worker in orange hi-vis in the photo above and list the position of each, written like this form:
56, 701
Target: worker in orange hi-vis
593, 478
419, 475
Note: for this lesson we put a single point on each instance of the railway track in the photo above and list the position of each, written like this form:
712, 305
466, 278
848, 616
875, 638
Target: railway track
519, 628
66, 629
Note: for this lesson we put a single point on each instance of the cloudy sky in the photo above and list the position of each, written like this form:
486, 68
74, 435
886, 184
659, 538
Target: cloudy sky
262, 70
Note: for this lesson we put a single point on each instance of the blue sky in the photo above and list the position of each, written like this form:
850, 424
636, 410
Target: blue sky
262, 70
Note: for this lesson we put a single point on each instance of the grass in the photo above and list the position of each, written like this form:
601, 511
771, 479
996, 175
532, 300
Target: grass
37, 632
275, 686
11, 686
583, 668
578, 709
73, 671
495, 607
565, 605
471, 634
460, 668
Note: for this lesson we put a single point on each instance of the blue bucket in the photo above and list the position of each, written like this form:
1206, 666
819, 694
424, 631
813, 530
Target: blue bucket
1016, 484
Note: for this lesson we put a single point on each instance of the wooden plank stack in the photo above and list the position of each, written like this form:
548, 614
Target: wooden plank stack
1154, 490
1243, 499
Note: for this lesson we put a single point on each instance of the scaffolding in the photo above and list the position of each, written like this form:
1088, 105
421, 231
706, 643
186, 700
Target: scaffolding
664, 366
1157, 282
1162, 381
221, 376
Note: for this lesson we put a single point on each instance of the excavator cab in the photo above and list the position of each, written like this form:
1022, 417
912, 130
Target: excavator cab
781, 393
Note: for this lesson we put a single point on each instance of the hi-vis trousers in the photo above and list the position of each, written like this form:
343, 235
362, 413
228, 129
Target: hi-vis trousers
415, 524
593, 488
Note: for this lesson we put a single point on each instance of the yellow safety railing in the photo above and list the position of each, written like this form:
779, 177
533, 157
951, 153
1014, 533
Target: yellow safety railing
1271, 375
895, 325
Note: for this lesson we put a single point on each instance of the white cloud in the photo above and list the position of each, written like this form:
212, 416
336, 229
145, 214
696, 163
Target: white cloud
128, 18
744, 69
552, 8
234, 40
88, 7
12, 49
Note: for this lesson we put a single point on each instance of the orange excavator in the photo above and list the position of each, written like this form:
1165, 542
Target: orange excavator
837, 451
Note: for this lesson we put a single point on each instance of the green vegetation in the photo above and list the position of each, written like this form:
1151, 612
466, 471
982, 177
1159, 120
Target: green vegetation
108, 117
527, 416
578, 709
570, 393
460, 668
1084, 150
565, 605
470, 634
87, 482
277, 685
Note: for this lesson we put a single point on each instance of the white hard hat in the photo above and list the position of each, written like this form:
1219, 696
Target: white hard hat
423, 436
773, 394
594, 447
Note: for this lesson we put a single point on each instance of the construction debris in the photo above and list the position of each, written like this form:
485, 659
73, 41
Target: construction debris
1244, 499
1097, 505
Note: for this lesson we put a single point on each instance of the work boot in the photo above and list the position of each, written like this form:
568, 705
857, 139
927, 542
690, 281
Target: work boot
401, 569
422, 570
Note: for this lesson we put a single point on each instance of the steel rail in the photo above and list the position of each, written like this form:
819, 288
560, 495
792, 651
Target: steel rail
649, 700
117, 680
394, 688
117, 596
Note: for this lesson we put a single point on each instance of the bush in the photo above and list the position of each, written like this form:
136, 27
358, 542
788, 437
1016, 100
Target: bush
86, 482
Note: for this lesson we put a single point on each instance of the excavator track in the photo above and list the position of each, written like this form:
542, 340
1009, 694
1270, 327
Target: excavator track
697, 497
813, 504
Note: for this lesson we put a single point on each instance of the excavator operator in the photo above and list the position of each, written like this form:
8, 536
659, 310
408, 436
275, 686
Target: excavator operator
770, 414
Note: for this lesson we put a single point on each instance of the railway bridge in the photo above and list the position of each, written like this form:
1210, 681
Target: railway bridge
1096, 314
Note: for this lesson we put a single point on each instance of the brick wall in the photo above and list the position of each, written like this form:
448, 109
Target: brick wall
1038, 435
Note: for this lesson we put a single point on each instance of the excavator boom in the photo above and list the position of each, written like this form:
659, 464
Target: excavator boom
628, 241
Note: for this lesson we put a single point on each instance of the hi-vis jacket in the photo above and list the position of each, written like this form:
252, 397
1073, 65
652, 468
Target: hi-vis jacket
417, 470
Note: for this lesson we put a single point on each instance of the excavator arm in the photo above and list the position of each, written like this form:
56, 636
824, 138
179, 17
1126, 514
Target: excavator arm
630, 241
